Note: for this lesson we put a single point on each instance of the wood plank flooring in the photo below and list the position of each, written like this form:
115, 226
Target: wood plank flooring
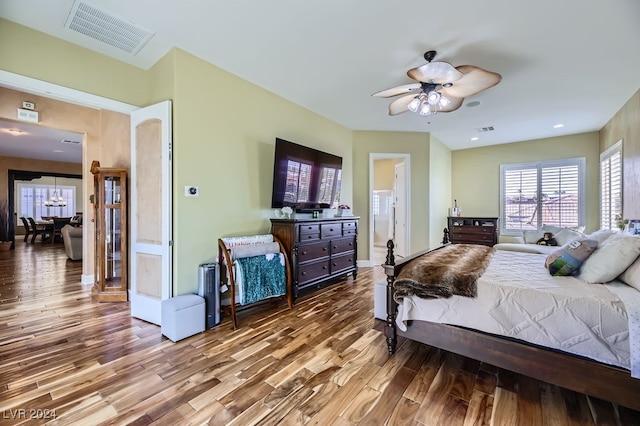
65, 359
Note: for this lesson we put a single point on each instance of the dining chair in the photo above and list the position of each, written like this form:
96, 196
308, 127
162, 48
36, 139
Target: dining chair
36, 229
58, 224
27, 228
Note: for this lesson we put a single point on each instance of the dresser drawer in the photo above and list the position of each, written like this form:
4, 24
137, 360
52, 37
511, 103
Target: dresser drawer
346, 226
342, 245
312, 271
309, 237
307, 252
346, 261
329, 230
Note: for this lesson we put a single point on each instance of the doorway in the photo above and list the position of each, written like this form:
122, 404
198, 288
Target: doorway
55, 92
389, 205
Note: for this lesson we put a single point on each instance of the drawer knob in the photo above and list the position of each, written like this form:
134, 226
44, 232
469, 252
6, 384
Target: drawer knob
304, 252
324, 249
324, 266
304, 273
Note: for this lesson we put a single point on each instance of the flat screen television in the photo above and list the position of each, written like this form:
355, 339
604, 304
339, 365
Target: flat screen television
304, 178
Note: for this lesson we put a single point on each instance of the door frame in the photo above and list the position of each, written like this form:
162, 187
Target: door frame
45, 89
407, 186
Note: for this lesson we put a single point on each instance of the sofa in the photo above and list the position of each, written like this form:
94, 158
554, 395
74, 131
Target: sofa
526, 241
72, 238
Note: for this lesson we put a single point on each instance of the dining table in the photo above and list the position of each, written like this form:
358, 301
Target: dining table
47, 225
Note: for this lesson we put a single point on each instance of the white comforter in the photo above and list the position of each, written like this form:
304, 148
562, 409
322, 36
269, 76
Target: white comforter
517, 297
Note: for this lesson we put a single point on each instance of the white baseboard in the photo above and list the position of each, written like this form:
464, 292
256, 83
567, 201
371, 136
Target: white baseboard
87, 279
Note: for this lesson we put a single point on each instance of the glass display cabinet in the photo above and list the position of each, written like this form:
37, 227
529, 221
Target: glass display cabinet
110, 206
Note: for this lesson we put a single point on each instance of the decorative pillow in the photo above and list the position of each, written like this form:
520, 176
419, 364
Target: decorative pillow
566, 235
551, 228
631, 276
601, 235
611, 258
532, 237
567, 260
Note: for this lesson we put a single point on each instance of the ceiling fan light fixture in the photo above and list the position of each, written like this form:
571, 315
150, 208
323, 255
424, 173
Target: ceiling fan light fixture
434, 97
425, 109
415, 103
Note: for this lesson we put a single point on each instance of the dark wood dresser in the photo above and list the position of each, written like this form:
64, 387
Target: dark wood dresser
473, 230
319, 249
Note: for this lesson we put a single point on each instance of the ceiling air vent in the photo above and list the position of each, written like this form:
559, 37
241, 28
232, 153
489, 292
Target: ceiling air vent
70, 142
485, 129
107, 28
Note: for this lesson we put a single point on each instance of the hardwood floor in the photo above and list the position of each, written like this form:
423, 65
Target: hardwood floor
65, 359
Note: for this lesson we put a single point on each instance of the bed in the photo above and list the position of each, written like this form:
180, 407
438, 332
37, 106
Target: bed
601, 360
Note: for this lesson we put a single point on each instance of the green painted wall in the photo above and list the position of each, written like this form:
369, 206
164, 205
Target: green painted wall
417, 146
224, 137
476, 172
439, 189
37, 55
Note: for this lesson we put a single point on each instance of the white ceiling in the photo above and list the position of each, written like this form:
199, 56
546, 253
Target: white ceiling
573, 62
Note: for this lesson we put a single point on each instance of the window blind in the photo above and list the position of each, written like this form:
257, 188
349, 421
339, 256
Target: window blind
533, 194
611, 187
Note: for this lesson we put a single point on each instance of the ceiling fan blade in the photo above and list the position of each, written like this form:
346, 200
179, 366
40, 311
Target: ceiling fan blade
454, 104
399, 90
474, 80
400, 105
435, 72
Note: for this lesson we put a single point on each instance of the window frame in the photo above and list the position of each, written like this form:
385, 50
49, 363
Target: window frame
580, 162
616, 148
49, 189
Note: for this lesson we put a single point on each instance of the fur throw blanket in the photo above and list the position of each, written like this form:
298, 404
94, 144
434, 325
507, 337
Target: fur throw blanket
453, 269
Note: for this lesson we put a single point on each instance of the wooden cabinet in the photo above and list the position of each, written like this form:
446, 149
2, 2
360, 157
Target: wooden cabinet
473, 230
110, 213
319, 249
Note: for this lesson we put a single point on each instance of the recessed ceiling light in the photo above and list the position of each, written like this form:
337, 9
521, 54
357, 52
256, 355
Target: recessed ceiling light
475, 138
557, 126
473, 104
57, 150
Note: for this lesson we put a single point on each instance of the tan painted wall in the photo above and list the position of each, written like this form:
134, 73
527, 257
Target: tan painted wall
476, 171
417, 146
625, 126
383, 173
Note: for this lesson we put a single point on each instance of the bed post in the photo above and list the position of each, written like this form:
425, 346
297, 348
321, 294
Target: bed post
390, 328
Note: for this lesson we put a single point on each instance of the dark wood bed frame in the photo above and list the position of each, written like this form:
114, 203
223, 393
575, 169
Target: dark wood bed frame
559, 368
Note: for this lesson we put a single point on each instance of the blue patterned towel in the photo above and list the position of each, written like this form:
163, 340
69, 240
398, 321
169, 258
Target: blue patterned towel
262, 277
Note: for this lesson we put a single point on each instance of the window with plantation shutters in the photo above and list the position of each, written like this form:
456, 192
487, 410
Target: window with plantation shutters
611, 186
548, 192
30, 201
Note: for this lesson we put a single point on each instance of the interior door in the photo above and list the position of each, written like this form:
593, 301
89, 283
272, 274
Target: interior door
150, 210
400, 211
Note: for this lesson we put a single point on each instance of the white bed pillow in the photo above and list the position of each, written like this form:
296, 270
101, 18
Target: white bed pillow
631, 276
566, 235
611, 258
601, 235
532, 237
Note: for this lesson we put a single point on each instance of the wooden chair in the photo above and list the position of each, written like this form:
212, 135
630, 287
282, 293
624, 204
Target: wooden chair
227, 257
58, 224
27, 228
36, 230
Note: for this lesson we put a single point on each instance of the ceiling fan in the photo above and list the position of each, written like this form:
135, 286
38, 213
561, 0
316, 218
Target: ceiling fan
441, 87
